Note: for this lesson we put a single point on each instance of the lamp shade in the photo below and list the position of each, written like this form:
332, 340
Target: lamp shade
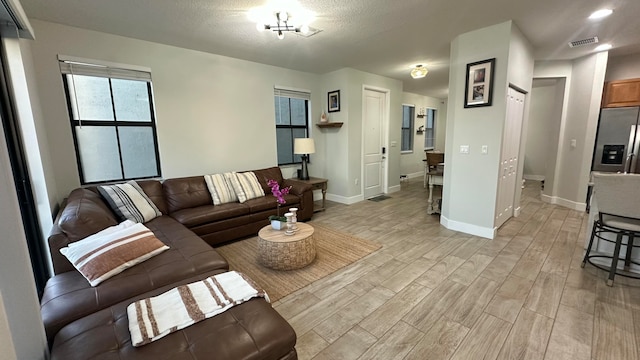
304, 146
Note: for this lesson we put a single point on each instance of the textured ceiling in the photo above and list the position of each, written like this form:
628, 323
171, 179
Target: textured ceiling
377, 36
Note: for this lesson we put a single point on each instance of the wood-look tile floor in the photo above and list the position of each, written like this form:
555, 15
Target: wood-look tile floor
432, 293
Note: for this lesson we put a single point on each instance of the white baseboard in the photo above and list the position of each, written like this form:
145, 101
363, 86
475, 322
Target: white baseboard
516, 212
393, 189
344, 200
564, 202
415, 175
476, 230
533, 177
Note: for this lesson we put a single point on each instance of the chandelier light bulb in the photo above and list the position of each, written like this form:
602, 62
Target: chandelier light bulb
283, 16
419, 72
260, 27
280, 35
600, 14
304, 29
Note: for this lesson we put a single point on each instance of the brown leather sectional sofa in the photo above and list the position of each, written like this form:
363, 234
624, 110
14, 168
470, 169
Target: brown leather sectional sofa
84, 322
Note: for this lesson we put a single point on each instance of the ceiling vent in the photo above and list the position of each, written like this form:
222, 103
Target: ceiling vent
576, 43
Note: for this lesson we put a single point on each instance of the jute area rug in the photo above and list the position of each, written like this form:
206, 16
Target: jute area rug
334, 249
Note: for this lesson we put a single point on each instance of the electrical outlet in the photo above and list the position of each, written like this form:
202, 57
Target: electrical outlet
574, 143
464, 149
394, 144
485, 149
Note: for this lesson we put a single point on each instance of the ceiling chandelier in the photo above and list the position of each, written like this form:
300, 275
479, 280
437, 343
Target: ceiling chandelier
419, 71
284, 23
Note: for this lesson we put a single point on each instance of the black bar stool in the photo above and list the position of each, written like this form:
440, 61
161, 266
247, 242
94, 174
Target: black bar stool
617, 198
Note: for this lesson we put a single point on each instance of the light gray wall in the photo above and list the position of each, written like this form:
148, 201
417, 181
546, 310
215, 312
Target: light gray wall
214, 113
17, 286
411, 163
469, 206
541, 118
584, 80
623, 67
582, 122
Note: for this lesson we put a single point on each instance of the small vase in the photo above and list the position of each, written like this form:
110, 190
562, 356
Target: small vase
294, 218
277, 224
323, 118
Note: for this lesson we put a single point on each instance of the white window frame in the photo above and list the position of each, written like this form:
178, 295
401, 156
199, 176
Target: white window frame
433, 128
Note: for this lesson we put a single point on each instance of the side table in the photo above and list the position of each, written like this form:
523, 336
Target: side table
286, 252
317, 184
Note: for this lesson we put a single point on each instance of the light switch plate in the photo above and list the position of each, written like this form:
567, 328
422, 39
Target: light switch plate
464, 149
485, 149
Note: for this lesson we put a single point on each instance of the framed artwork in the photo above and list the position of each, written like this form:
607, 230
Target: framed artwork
334, 101
479, 87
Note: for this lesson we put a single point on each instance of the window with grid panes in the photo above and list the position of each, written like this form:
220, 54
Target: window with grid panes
112, 122
406, 135
292, 121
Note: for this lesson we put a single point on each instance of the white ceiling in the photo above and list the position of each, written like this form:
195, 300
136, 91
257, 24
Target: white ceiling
378, 36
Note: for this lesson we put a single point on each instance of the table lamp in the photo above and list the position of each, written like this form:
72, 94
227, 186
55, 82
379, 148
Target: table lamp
304, 146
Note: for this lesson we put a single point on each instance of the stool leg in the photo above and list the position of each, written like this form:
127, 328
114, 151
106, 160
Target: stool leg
586, 254
614, 260
627, 260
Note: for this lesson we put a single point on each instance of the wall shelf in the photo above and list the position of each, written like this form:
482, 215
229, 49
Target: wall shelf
330, 125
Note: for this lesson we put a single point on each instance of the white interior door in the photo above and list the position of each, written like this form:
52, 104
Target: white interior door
373, 142
508, 181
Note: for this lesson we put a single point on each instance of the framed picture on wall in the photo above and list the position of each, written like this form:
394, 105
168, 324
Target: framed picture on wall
479, 86
334, 101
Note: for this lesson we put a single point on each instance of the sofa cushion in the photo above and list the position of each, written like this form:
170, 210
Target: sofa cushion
85, 214
252, 330
209, 213
264, 175
130, 202
186, 192
153, 189
109, 252
246, 186
220, 188
269, 202
68, 296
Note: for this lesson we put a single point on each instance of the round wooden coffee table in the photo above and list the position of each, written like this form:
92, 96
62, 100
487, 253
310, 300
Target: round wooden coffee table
286, 252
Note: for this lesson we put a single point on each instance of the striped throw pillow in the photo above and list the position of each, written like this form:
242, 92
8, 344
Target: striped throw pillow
221, 190
113, 250
130, 202
246, 185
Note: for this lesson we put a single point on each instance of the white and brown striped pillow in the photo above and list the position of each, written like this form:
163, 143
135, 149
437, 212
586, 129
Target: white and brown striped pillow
221, 190
129, 201
113, 250
246, 185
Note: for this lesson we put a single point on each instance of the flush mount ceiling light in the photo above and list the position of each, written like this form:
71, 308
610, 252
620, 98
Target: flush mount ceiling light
603, 47
289, 17
600, 14
419, 71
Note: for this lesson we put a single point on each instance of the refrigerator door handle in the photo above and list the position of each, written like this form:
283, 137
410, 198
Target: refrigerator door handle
636, 150
630, 149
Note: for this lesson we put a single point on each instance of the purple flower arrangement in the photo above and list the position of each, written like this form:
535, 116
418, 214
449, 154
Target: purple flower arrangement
279, 195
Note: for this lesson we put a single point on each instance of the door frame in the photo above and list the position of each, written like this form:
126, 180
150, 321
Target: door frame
385, 137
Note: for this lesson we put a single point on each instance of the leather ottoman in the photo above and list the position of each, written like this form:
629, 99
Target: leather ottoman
251, 330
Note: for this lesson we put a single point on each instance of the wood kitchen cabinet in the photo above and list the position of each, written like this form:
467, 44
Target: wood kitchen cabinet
621, 93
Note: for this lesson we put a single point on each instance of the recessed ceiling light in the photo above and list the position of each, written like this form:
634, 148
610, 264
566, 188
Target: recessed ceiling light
600, 14
603, 47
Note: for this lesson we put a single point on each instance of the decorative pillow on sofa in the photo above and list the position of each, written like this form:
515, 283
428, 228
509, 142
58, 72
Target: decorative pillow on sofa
113, 250
246, 185
221, 190
130, 202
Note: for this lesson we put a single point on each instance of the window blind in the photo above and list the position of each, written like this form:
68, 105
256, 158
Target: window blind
293, 94
76, 68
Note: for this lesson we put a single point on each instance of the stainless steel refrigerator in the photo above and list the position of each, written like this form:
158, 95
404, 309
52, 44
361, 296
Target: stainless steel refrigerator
618, 141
